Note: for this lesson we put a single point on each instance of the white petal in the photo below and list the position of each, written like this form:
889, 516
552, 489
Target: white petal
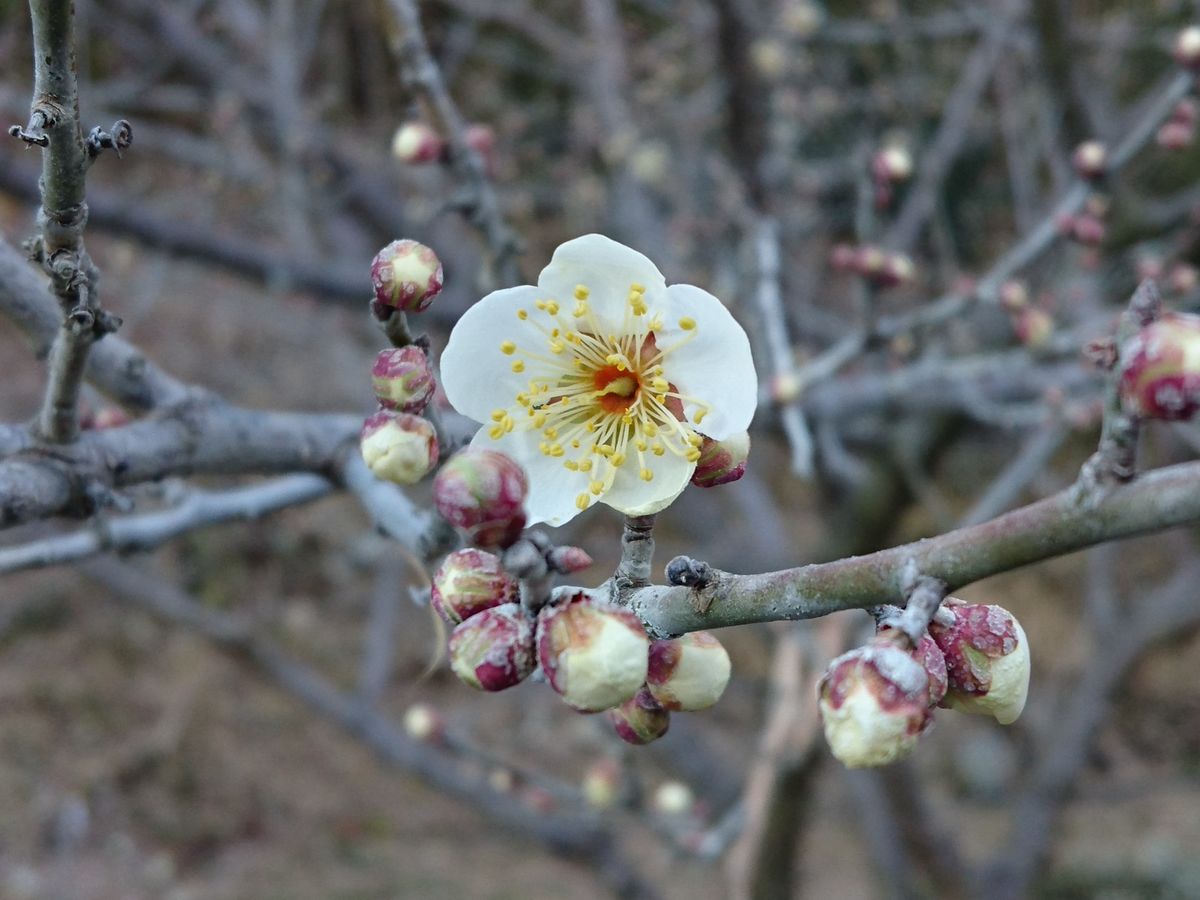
714, 365
634, 497
606, 269
552, 487
476, 375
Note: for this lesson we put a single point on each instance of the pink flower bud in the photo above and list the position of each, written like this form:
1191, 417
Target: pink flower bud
1182, 278
403, 379
1175, 135
930, 656
1033, 326
483, 492
1090, 159
416, 142
1187, 47
423, 723
785, 387
688, 673
568, 560
406, 275
482, 139
640, 719
874, 705
870, 261
1184, 112
593, 653
1160, 369
1013, 295
468, 582
602, 784
722, 461
987, 659
398, 447
892, 164
843, 258
110, 417
1088, 230
493, 650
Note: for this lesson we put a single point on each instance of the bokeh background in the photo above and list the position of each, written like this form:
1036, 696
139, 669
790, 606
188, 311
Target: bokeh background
138, 759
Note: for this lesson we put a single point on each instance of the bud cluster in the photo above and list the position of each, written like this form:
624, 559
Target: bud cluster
416, 143
882, 268
877, 700
890, 167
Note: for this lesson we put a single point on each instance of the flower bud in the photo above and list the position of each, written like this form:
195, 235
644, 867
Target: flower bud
423, 723
1090, 159
874, 705
1013, 296
568, 560
602, 784
406, 276
987, 659
593, 653
1088, 230
482, 139
1033, 326
416, 142
403, 379
1187, 47
493, 650
930, 656
673, 798
468, 582
784, 388
722, 461
640, 719
1185, 112
1160, 369
843, 258
688, 673
483, 492
398, 447
892, 164
1182, 278
1175, 135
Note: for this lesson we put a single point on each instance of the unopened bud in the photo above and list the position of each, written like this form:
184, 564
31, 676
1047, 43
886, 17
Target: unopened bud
770, 58
406, 275
892, 164
398, 447
673, 798
1187, 47
602, 784
640, 719
688, 673
493, 650
468, 582
1088, 230
1160, 369
1090, 159
416, 142
501, 780
110, 417
1184, 112
593, 653
482, 139
801, 18
874, 705
1013, 295
843, 258
423, 723
932, 660
403, 379
784, 388
987, 659
1175, 135
1182, 278
483, 492
1033, 326
722, 461
568, 560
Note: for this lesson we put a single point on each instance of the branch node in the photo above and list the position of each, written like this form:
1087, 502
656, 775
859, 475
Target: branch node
117, 139
684, 571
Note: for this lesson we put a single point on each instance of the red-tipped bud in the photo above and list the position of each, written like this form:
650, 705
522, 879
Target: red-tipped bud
892, 164
1090, 159
568, 560
987, 659
1033, 326
403, 379
930, 656
843, 258
1187, 47
398, 447
603, 784
468, 582
1160, 369
722, 461
416, 142
883, 269
482, 139
423, 723
593, 653
1175, 135
493, 650
406, 275
1013, 296
640, 719
688, 673
869, 261
1088, 230
874, 704
1182, 278
1184, 112
483, 492
784, 388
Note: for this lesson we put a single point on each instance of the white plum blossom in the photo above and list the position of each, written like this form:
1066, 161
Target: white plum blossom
601, 381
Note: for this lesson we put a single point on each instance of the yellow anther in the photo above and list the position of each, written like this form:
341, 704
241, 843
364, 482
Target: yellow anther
646, 475
580, 310
636, 288
523, 399
572, 465
498, 415
556, 450
656, 322
626, 419
596, 487
551, 307
658, 449
496, 432
539, 420
575, 443
617, 460
603, 449
581, 293
641, 444
660, 385
694, 439
591, 426
572, 337
551, 433
508, 348
585, 465
699, 417
651, 429
583, 501
557, 346
518, 366
616, 359
508, 425
544, 448
522, 315
540, 304
692, 455
687, 323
